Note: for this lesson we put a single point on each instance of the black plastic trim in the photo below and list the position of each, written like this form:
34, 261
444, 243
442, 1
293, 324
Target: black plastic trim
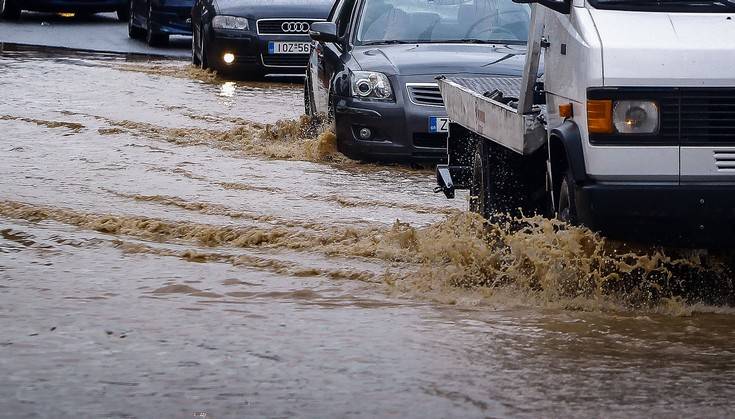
568, 133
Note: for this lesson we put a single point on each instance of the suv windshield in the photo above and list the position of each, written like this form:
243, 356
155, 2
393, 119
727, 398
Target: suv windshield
443, 21
704, 6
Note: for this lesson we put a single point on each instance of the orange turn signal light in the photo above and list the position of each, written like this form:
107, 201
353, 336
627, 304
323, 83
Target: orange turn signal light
600, 116
566, 110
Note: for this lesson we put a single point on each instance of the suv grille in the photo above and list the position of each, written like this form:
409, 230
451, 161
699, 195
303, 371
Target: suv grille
694, 116
425, 94
285, 26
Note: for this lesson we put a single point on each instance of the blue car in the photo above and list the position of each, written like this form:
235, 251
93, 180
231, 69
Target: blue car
11, 9
156, 20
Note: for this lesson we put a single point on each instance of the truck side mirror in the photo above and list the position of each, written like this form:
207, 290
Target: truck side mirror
561, 6
324, 32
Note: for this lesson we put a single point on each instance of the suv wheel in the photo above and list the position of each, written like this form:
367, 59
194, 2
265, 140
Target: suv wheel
203, 60
195, 61
9, 10
123, 14
152, 38
134, 32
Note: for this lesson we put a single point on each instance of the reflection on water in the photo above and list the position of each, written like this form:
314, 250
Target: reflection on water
228, 89
204, 248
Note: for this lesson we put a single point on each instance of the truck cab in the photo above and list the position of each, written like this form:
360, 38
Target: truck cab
628, 129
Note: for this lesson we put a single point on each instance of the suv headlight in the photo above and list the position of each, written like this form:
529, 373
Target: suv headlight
370, 85
230, 22
636, 117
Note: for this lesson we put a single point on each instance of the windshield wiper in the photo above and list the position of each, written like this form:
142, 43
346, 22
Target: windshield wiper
461, 41
663, 3
388, 42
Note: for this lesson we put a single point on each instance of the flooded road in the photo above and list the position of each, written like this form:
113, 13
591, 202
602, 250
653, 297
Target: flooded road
174, 244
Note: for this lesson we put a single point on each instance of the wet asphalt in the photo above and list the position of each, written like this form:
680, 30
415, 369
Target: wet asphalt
102, 32
174, 244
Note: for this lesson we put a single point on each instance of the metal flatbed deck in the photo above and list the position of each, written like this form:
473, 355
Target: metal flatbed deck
468, 104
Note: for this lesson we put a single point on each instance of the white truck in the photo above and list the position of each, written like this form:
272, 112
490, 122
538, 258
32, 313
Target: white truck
623, 121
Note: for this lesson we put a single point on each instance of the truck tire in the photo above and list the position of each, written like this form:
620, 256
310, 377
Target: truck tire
497, 188
9, 10
567, 200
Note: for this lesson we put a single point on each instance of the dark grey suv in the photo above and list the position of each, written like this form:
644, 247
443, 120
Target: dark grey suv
374, 63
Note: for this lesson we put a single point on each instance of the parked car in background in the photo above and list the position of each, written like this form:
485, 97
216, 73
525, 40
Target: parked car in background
11, 9
156, 20
374, 64
255, 38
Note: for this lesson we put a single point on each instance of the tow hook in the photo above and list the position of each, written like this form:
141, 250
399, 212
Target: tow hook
444, 179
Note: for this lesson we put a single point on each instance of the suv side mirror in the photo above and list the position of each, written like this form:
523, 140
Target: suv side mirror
561, 6
324, 32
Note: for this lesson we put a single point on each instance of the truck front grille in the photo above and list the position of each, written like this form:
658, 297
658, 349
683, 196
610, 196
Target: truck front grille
694, 116
425, 94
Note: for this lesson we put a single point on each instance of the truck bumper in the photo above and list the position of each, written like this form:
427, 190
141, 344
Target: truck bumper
698, 216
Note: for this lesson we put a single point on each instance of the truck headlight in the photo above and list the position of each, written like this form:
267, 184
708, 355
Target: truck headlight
608, 117
370, 85
636, 117
231, 23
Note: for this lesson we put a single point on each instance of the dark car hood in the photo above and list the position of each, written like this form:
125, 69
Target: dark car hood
438, 59
259, 9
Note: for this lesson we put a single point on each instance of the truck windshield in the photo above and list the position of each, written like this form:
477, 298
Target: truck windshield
442, 21
689, 6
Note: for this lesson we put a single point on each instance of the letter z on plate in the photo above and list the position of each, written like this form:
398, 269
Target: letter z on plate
438, 124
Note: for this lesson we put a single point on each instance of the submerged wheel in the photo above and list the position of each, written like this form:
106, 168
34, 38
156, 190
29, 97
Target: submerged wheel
498, 186
479, 202
9, 10
195, 61
134, 32
567, 200
308, 104
153, 39
203, 59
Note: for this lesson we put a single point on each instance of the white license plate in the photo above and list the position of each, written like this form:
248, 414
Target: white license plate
438, 124
288, 47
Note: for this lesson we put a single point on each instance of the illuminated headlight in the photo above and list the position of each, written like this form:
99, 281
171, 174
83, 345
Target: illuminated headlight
636, 117
371, 85
230, 22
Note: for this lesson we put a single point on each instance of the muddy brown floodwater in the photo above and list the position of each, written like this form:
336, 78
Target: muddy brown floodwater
174, 243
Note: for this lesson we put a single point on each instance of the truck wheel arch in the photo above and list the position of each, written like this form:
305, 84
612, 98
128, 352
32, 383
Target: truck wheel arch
565, 151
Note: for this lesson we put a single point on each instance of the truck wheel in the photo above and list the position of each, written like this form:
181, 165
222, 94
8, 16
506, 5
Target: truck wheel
498, 186
567, 200
9, 10
479, 202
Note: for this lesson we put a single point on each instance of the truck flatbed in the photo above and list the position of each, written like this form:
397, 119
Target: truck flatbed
488, 106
